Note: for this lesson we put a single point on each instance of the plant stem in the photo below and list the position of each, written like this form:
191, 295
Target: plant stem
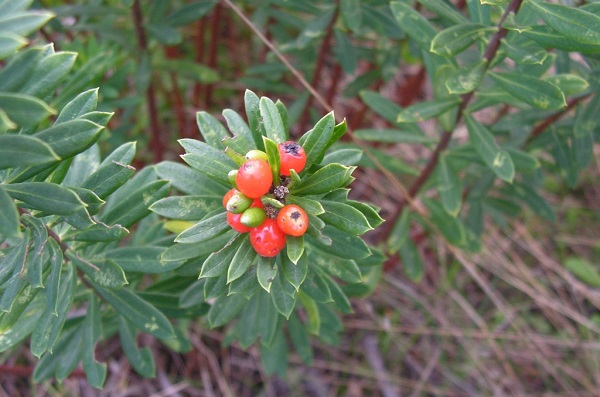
156, 144
489, 54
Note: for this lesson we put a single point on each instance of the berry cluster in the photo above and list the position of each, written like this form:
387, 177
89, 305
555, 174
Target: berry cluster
246, 212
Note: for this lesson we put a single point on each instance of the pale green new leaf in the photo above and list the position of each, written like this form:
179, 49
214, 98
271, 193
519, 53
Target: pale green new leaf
536, 92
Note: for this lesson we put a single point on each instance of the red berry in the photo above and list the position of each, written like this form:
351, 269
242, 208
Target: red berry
234, 222
292, 156
267, 239
257, 203
254, 178
228, 196
292, 220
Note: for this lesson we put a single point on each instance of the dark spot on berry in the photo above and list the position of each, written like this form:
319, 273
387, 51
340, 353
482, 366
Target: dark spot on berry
292, 148
295, 215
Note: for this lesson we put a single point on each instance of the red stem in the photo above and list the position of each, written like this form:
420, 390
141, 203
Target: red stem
199, 58
212, 50
156, 144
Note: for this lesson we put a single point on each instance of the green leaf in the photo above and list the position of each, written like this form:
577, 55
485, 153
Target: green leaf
537, 93
497, 160
450, 227
369, 211
211, 129
186, 207
245, 285
413, 23
381, 105
83, 103
266, 271
340, 300
315, 142
95, 372
523, 161
22, 327
25, 22
23, 150
387, 135
224, 309
135, 206
217, 262
142, 314
50, 325
25, 110
314, 287
98, 233
295, 273
351, 14
188, 180
576, 24
243, 258
209, 161
444, 10
326, 179
569, 84
10, 43
106, 274
399, 232
454, 40
142, 359
312, 207
345, 217
45, 196
145, 259
238, 128
313, 323
274, 161
526, 55
345, 269
412, 264
549, 38
426, 110
252, 105
189, 13
272, 122
179, 252
295, 248
300, 339
60, 364
346, 245
9, 216
583, 270
49, 73
53, 282
449, 186
205, 229
70, 138
283, 301
466, 79
274, 357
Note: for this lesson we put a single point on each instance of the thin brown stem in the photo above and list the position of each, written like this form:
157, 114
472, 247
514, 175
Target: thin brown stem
541, 127
323, 51
425, 174
156, 144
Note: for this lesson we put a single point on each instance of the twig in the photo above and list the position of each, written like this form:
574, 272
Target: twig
156, 144
376, 361
541, 127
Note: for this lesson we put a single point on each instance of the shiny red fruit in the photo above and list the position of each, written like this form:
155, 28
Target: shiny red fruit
228, 196
292, 156
267, 239
234, 222
292, 220
254, 178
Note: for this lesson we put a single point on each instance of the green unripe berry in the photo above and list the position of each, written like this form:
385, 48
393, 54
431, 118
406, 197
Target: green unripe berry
253, 217
238, 203
231, 176
255, 154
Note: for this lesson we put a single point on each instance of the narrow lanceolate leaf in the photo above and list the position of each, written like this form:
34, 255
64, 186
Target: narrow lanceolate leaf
536, 92
142, 314
217, 262
315, 142
241, 261
238, 127
466, 79
266, 270
106, 273
328, 178
273, 124
251, 102
134, 206
10, 43
412, 264
295, 248
526, 55
186, 207
83, 103
47, 197
24, 150
283, 302
312, 207
205, 229
497, 160
141, 359
413, 23
70, 138
550, 38
212, 163
449, 186
25, 110
211, 129
94, 371
458, 38
9, 216
274, 161
576, 24
98, 233
345, 217
399, 233
426, 110
53, 281
569, 84
25, 22
145, 259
